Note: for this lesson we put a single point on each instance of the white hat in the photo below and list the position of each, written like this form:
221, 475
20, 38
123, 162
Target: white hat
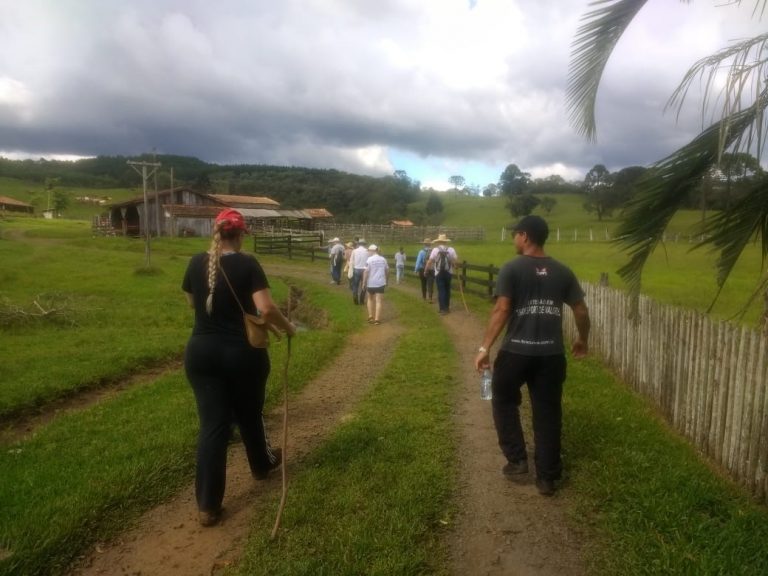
440, 239
373, 248
336, 239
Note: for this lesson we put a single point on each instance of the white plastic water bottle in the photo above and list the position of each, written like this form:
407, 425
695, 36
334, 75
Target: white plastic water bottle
486, 392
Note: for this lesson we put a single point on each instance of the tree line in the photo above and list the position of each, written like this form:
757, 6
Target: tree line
606, 192
367, 199
350, 197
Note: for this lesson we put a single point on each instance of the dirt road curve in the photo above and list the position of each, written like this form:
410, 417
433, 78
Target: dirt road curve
502, 528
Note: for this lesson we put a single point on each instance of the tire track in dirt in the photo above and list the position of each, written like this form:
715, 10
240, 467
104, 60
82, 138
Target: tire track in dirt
16, 428
168, 540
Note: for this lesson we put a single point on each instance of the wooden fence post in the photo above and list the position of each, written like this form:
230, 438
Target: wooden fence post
491, 269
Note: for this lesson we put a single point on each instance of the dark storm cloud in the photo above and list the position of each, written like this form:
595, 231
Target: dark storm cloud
327, 84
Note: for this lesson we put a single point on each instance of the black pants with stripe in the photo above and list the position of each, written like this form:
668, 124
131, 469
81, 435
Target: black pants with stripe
229, 381
544, 376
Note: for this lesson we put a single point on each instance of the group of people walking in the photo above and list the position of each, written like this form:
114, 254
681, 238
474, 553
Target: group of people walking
367, 272
435, 266
228, 376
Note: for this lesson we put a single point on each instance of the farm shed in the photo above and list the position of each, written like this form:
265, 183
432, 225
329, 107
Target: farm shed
13, 205
318, 218
187, 212
400, 223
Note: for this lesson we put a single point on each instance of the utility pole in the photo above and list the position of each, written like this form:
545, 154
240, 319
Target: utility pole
144, 177
157, 198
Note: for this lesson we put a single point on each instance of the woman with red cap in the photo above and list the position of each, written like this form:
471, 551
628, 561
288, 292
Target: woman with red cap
227, 375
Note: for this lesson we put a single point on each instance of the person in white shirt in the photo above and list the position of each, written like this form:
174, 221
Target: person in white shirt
399, 265
359, 259
375, 281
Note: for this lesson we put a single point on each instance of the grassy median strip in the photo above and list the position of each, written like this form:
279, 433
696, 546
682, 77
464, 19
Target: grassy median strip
88, 474
650, 504
376, 497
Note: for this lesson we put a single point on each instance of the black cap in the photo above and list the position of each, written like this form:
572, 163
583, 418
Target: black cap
535, 227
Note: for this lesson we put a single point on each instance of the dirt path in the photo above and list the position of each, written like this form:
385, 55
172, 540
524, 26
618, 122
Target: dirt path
502, 527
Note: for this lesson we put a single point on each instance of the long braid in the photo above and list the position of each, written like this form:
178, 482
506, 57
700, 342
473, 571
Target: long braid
214, 253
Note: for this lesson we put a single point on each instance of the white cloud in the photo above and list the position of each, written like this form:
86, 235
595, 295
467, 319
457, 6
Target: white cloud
338, 84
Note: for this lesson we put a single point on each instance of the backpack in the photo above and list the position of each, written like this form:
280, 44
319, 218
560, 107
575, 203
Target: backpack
442, 262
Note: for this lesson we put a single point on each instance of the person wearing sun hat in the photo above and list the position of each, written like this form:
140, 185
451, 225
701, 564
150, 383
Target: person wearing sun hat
426, 277
336, 257
375, 279
227, 375
530, 293
442, 260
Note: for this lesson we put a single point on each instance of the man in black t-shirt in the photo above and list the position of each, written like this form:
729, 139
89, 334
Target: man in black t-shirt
530, 293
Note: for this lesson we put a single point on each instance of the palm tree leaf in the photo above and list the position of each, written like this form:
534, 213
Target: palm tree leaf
743, 65
664, 187
590, 51
730, 230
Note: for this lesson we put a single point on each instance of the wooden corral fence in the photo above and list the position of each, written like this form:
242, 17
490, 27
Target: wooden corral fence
707, 377
388, 234
478, 280
292, 245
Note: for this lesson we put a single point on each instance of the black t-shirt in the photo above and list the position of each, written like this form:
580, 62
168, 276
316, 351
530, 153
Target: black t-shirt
226, 318
537, 287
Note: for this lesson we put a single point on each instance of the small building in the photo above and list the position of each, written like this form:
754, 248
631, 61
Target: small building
187, 212
318, 218
12, 205
401, 223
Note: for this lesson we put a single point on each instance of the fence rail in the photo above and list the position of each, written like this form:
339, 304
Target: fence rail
387, 234
291, 245
708, 378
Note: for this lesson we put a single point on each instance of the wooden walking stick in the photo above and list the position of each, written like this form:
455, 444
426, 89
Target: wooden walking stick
462, 276
284, 494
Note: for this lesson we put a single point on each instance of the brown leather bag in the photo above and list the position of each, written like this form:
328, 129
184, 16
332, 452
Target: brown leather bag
256, 328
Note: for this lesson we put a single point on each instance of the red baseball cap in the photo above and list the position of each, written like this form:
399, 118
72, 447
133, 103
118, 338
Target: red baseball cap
230, 219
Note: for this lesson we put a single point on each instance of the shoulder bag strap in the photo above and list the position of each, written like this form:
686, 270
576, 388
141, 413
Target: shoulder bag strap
230, 287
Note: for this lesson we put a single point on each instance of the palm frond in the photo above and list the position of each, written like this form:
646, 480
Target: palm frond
744, 65
663, 189
590, 51
729, 231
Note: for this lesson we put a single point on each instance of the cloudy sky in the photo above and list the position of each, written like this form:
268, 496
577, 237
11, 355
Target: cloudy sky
432, 87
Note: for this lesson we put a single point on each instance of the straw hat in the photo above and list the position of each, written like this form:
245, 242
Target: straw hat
373, 248
441, 238
427, 241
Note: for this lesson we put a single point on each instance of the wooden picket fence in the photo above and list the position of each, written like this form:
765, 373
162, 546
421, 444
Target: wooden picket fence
708, 378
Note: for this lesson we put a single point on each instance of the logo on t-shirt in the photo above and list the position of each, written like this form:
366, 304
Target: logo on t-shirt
541, 271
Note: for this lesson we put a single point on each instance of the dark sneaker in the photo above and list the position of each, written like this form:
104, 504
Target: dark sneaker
512, 469
545, 487
210, 518
264, 474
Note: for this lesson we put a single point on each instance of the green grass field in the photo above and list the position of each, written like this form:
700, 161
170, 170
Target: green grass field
646, 502
35, 193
